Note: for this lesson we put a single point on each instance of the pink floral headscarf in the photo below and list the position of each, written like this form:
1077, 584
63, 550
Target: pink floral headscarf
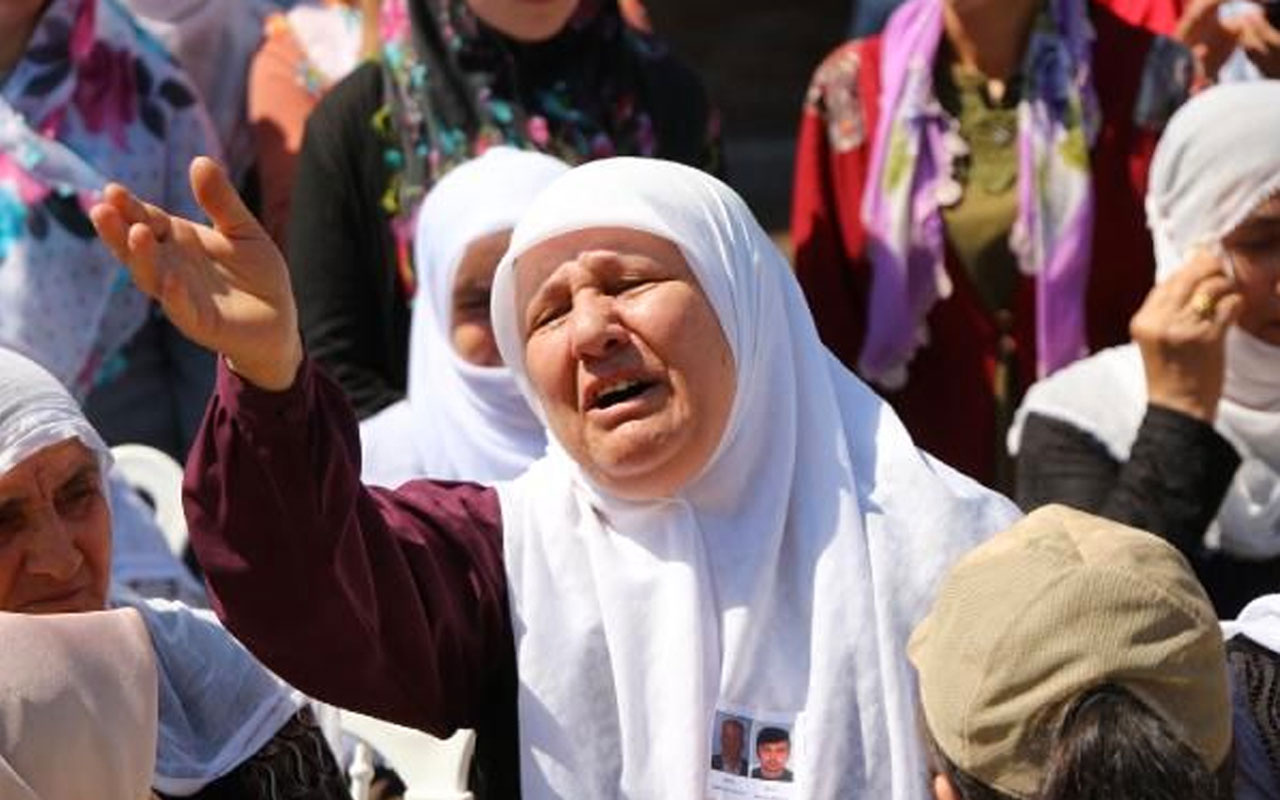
93, 99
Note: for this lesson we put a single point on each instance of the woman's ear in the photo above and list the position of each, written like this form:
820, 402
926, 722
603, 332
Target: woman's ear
943, 788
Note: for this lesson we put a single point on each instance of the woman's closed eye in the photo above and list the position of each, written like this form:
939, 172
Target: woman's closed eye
634, 285
12, 518
471, 302
545, 315
1256, 238
1255, 246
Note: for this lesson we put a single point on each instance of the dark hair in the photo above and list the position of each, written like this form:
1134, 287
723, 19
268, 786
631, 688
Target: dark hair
737, 723
1111, 745
771, 735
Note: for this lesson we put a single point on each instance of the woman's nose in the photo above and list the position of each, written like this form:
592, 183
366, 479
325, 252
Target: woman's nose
595, 329
52, 551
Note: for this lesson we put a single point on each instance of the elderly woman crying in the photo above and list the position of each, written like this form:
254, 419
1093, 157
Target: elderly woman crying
727, 524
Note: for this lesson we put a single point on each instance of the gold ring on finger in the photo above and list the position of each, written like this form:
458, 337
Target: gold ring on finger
1203, 304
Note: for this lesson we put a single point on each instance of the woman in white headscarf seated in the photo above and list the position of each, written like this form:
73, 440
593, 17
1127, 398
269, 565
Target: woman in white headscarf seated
77, 707
464, 417
728, 525
1178, 433
226, 726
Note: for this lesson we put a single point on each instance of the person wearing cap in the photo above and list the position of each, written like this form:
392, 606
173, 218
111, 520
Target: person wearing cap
1071, 656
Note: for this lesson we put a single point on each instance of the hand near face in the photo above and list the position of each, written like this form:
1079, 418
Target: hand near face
1259, 39
1205, 35
226, 287
1180, 331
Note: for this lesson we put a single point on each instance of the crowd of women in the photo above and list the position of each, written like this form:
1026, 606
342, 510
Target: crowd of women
500, 410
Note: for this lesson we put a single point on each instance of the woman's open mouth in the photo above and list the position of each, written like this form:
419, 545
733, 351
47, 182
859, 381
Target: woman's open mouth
621, 392
616, 401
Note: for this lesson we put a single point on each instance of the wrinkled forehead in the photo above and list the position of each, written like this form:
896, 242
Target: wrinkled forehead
703, 218
53, 463
549, 259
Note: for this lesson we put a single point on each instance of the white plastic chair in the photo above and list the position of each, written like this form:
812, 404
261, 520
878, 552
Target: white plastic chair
159, 477
431, 768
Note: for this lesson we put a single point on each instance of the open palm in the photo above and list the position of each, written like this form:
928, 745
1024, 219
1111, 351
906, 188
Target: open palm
225, 286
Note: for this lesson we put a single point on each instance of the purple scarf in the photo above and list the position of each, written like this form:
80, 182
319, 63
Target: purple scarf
911, 164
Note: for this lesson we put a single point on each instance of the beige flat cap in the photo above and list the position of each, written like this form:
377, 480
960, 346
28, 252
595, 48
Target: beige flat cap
1058, 604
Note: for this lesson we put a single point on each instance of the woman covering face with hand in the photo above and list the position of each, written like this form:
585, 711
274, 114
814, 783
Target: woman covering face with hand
726, 518
967, 208
1179, 432
464, 417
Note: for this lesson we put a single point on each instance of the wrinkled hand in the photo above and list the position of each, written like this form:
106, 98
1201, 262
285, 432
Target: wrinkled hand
1208, 38
1181, 331
1259, 40
225, 287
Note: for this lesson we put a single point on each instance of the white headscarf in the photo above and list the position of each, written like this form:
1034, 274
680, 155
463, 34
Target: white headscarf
36, 411
460, 421
783, 582
77, 707
1218, 161
218, 706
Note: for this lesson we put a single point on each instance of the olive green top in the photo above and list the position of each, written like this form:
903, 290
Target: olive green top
978, 226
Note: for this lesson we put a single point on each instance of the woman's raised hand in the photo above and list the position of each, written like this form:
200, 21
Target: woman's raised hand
226, 287
1181, 331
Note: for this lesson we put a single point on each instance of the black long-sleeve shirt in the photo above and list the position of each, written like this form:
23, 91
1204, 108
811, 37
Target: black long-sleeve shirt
1173, 484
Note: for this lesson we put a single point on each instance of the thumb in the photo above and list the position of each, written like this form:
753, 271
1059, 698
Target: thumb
220, 200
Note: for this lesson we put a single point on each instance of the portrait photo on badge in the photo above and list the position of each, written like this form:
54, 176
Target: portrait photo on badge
771, 752
729, 746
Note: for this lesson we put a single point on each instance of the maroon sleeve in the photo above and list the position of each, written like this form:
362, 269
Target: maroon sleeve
392, 603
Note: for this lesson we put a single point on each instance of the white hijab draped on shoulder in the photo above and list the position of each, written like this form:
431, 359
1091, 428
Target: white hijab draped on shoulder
781, 585
1196, 197
460, 421
217, 705
77, 707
